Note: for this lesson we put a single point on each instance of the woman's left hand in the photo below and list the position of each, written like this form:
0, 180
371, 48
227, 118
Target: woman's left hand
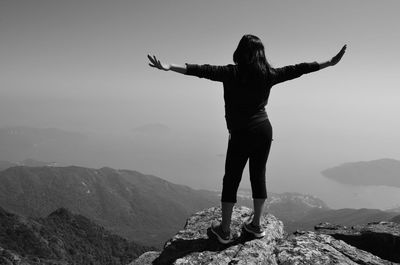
338, 56
154, 62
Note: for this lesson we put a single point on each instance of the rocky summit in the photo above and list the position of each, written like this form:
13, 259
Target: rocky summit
195, 244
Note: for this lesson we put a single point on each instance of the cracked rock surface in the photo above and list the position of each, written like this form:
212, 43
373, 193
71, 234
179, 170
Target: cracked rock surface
312, 248
195, 244
380, 238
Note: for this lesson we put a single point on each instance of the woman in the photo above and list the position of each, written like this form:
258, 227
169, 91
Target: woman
247, 86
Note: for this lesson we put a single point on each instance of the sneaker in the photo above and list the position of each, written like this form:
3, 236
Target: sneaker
223, 237
255, 230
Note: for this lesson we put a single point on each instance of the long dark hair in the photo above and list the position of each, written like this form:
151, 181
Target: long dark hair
250, 57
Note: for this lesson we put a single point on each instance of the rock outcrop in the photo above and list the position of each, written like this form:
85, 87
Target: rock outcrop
379, 238
196, 245
313, 248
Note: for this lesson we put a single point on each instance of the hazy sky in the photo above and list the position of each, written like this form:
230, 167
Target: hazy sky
81, 65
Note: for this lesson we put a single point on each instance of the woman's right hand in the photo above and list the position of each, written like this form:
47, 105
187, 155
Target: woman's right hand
154, 62
335, 59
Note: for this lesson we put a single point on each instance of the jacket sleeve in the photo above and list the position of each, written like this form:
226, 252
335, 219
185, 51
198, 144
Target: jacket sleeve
294, 71
212, 72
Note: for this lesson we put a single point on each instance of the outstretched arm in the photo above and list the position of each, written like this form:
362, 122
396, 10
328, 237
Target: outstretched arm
154, 62
335, 59
211, 72
294, 71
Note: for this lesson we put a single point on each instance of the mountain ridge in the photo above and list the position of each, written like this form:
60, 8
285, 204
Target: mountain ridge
126, 202
62, 237
146, 208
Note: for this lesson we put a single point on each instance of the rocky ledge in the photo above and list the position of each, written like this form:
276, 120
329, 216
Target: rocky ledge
379, 238
196, 245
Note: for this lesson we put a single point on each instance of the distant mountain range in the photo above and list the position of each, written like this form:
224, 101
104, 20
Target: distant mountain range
61, 238
396, 219
303, 212
145, 208
17, 143
346, 217
5, 164
376, 172
394, 209
28, 163
139, 207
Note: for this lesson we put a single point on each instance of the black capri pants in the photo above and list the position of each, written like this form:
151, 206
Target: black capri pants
253, 145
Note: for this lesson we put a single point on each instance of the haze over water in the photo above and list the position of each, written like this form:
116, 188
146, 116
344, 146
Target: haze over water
81, 66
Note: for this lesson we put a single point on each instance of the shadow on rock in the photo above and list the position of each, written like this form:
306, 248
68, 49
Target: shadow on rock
181, 248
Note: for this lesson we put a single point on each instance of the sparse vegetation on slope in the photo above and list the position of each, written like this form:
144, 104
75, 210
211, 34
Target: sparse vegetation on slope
64, 237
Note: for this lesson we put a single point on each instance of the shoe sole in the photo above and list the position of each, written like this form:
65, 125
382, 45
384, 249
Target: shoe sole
220, 239
257, 235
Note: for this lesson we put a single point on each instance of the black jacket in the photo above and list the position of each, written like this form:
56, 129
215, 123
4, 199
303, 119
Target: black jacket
246, 98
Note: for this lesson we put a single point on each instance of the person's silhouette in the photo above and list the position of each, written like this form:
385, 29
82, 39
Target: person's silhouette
247, 85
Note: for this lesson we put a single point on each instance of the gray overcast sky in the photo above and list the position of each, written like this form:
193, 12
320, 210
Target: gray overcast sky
81, 65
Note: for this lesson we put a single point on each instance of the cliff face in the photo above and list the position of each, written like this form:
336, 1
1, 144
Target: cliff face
196, 245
